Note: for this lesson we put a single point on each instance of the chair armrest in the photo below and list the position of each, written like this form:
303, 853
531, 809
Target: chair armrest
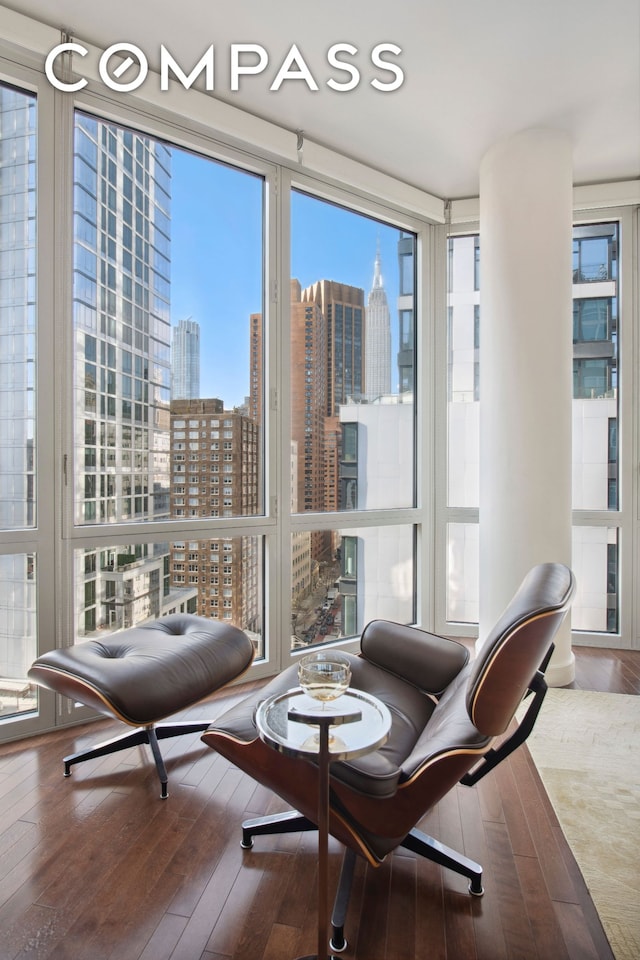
423, 659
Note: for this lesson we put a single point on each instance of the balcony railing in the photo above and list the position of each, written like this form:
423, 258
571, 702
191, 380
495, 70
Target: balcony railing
592, 273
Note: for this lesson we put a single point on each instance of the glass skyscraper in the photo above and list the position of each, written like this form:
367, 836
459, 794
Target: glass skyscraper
185, 361
122, 364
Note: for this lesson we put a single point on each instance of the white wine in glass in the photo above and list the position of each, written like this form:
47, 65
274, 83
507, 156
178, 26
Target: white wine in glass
324, 675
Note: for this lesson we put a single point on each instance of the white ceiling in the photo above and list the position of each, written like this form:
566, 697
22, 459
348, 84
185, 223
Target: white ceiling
475, 71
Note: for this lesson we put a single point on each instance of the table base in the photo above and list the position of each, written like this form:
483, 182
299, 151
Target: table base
314, 956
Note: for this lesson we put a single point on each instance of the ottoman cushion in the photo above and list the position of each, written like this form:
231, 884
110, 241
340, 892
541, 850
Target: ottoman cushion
148, 672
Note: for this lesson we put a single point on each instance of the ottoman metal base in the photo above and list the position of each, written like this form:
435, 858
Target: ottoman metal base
149, 735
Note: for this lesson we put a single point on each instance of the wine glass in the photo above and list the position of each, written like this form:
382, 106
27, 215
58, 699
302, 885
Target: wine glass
324, 675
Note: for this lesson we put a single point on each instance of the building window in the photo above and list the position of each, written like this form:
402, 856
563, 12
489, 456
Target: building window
595, 253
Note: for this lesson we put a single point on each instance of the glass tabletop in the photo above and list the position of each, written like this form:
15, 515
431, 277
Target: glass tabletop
286, 722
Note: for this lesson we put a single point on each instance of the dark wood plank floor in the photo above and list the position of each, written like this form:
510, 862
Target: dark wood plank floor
97, 867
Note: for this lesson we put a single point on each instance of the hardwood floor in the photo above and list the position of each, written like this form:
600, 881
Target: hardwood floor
97, 867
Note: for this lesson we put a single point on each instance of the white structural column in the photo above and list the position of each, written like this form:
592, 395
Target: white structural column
525, 370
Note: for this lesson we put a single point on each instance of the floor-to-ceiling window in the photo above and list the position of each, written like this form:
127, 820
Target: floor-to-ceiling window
186, 468
217, 383
598, 493
461, 492
166, 376
602, 489
353, 382
18, 397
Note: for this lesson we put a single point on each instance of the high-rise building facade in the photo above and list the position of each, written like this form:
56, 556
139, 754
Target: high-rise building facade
327, 368
215, 473
406, 312
308, 396
121, 305
377, 365
301, 563
596, 419
185, 360
256, 368
376, 472
342, 307
332, 452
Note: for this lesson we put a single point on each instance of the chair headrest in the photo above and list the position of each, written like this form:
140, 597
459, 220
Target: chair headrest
516, 646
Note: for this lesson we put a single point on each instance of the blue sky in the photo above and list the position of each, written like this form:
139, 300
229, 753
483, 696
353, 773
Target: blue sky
216, 261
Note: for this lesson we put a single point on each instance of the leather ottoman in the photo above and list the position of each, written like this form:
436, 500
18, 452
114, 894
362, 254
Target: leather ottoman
145, 674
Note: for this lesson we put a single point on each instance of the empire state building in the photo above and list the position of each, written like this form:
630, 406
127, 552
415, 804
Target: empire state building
377, 367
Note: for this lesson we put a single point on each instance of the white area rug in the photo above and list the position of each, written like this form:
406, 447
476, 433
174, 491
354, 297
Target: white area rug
586, 747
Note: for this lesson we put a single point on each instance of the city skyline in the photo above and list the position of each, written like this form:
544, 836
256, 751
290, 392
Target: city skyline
216, 274
141, 241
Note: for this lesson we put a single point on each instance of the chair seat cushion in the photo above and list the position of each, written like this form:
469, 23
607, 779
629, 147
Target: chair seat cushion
148, 672
375, 774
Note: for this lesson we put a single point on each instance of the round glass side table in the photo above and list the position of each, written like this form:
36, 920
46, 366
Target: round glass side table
286, 721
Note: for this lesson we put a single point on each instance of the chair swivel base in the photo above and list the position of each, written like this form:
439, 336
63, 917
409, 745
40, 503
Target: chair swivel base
418, 842
421, 843
149, 735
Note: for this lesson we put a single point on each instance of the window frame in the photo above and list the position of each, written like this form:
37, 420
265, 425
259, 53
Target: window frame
420, 515
71, 535
628, 377
56, 402
39, 539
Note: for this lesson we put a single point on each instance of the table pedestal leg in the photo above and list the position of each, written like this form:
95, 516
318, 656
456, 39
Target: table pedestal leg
323, 845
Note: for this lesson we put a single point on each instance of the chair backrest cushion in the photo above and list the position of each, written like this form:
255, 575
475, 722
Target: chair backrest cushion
416, 656
515, 648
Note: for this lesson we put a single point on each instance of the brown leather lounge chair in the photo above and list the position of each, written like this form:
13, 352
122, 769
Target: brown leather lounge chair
143, 675
446, 713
